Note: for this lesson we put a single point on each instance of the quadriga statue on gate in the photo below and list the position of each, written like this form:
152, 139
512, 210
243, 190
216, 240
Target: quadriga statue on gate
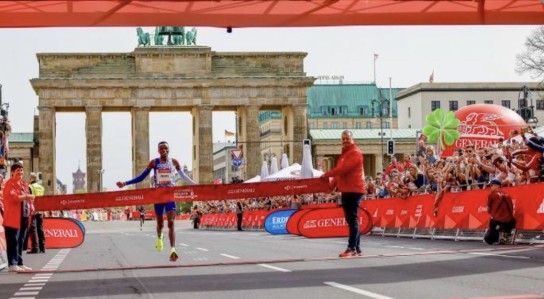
143, 37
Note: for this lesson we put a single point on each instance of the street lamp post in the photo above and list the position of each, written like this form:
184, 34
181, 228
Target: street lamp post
380, 104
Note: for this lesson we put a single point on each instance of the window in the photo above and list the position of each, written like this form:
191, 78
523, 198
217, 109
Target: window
488, 102
539, 104
344, 110
435, 105
312, 126
363, 111
334, 125
471, 102
454, 105
368, 125
358, 125
505, 103
386, 125
345, 125
409, 112
325, 125
334, 111
325, 110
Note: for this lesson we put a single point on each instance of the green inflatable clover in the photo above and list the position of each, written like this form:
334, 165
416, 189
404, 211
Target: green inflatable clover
442, 127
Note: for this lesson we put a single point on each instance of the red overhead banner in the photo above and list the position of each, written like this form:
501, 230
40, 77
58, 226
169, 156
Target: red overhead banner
180, 193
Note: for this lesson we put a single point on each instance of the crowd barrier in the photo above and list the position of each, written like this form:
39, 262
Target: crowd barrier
462, 215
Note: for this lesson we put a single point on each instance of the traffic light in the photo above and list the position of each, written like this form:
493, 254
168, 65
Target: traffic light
391, 147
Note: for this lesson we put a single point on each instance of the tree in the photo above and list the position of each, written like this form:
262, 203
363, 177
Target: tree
532, 60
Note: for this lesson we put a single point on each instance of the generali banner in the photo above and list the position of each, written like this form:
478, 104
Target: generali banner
180, 193
63, 232
326, 223
463, 210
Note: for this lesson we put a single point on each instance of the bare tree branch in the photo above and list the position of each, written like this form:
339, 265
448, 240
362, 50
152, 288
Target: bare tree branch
532, 59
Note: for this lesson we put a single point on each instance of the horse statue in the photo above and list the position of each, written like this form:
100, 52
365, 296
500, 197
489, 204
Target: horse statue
143, 38
190, 37
158, 38
179, 35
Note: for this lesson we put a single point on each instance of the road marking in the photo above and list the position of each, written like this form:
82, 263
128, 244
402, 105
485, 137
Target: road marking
30, 288
184, 245
26, 293
356, 291
202, 249
229, 256
501, 255
274, 268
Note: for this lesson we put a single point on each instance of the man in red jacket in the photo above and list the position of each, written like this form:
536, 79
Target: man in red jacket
501, 212
348, 179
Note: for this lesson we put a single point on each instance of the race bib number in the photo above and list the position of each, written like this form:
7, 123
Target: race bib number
164, 176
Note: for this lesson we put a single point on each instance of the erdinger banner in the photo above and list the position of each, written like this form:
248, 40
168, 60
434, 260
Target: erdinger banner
3, 248
180, 193
276, 222
323, 223
63, 232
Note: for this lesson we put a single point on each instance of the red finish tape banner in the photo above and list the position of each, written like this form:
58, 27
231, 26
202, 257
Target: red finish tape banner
180, 193
63, 232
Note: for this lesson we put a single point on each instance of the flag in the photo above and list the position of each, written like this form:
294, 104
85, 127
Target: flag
375, 56
431, 78
218, 181
228, 134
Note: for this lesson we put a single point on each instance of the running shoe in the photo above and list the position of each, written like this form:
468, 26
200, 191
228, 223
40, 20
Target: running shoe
173, 255
359, 252
15, 268
348, 253
25, 268
159, 244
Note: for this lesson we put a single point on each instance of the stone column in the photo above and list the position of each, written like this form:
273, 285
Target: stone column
287, 132
202, 144
47, 138
300, 131
253, 141
140, 143
379, 162
93, 130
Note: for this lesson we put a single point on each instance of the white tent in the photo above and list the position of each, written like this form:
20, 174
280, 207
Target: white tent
284, 161
290, 173
273, 165
264, 170
255, 179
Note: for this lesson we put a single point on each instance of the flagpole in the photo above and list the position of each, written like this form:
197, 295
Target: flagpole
375, 57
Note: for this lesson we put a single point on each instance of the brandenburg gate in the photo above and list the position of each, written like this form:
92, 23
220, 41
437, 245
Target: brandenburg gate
191, 79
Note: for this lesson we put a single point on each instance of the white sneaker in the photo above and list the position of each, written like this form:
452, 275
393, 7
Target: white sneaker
25, 268
15, 268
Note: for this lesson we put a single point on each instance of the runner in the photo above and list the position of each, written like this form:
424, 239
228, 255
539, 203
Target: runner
164, 169
142, 216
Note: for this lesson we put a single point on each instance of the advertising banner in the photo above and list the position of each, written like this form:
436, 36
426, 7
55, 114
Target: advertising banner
63, 232
326, 223
292, 223
276, 222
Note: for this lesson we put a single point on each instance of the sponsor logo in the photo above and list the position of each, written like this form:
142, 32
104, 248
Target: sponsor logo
482, 209
185, 194
279, 220
295, 187
241, 190
458, 209
390, 212
419, 211
129, 197
310, 224
541, 208
403, 212
61, 233
71, 201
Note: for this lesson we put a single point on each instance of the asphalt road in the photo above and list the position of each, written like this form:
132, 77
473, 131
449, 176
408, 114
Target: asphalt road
117, 260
